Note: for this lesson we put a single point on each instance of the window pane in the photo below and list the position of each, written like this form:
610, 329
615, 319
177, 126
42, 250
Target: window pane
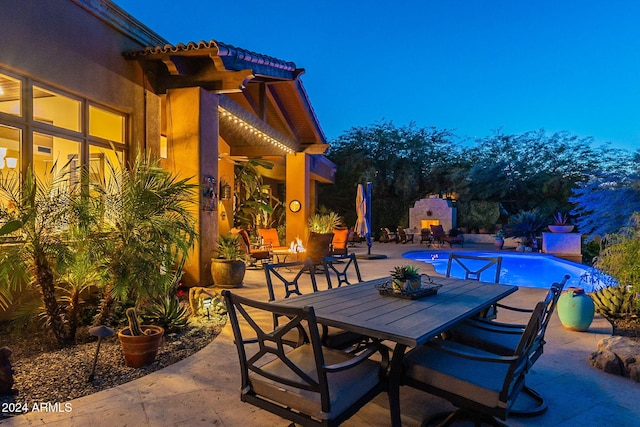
52, 153
10, 142
55, 109
10, 95
105, 124
103, 163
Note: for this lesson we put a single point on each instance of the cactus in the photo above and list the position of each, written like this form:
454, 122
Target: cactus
134, 324
613, 301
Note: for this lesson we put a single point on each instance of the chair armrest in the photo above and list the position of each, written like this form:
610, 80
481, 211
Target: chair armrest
468, 352
365, 354
508, 307
495, 326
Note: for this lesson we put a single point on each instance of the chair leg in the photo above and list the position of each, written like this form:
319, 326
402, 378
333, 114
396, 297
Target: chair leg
541, 405
447, 419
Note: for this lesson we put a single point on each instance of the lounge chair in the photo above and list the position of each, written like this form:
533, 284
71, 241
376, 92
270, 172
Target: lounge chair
387, 236
425, 236
270, 239
308, 384
403, 236
255, 254
339, 244
441, 237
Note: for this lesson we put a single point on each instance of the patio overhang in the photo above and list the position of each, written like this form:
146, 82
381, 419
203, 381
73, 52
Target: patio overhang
251, 136
211, 65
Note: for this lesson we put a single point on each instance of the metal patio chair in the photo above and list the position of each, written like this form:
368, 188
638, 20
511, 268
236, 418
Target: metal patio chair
341, 268
482, 385
331, 336
309, 384
502, 338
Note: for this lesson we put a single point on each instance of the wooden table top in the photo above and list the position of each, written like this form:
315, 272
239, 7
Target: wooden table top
362, 309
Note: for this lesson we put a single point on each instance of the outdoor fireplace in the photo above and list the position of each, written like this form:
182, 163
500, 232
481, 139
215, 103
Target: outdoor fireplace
432, 211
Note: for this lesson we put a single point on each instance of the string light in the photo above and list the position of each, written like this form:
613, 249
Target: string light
249, 127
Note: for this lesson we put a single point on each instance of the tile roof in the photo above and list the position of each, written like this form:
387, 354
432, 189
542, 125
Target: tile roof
233, 58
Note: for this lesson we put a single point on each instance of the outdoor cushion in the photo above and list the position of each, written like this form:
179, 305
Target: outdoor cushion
474, 380
345, 388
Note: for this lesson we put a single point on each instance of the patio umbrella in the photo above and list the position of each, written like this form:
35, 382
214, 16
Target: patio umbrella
362, 227
363, 224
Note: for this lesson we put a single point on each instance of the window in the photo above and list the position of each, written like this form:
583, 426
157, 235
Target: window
64, 130
10, 142
105, 124
10, 95
55, 109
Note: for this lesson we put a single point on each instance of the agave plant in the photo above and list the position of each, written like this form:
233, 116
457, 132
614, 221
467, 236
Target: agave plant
526, 224
324, 222
168, 312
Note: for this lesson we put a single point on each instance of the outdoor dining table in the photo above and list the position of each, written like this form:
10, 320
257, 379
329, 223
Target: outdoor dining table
361, 308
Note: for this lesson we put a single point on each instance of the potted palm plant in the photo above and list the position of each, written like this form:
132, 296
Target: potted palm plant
321, 227
228, 268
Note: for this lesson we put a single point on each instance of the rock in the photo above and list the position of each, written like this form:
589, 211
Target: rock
618, 355
634, 371
607, 361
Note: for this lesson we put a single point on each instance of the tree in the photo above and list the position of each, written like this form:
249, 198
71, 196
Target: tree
150, 229
399, 161
37, 213
535, 169
605, 203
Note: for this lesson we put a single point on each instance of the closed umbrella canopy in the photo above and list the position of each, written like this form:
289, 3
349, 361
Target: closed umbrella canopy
362, 228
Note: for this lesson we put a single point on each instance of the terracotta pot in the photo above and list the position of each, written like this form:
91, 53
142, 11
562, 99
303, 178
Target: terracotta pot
227, 273
140, 350
319, 246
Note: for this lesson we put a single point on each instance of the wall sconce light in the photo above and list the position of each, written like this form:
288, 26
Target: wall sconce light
12, 162
225, 190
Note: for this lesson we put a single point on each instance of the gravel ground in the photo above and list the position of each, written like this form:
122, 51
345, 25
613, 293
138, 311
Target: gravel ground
62, 375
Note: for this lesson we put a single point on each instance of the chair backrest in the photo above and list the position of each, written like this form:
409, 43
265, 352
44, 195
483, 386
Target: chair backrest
291, 285
339, 242
425, 235
273, 344
340, 267
402, 233
437, 231
244, 236
514, 380
474, 266
269, 237
550, 303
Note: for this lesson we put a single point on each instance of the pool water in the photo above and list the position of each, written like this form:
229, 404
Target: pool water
521, 269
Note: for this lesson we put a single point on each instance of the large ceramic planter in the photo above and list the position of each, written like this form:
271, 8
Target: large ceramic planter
498, 242
318, 246
575, 309
561, 228
140, 350
227, 273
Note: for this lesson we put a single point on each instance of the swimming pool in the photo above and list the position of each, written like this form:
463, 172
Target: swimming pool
522, 269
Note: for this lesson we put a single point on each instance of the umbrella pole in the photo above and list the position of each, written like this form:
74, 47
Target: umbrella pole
368, 193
